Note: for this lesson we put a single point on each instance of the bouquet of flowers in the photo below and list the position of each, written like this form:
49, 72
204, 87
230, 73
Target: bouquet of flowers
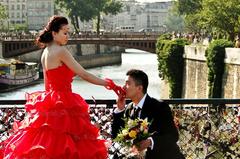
133, 132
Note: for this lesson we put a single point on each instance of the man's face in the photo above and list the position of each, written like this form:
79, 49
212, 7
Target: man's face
132, 90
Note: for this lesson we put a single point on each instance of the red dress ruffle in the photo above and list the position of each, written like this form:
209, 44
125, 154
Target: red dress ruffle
57, 125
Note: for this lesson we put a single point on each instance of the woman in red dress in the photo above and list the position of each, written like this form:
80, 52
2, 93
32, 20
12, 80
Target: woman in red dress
57, 125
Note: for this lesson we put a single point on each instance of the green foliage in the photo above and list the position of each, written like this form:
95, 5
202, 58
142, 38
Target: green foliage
171, 63
211, 15
215, 55
166, 36
112, 7
174, 21
89, 9
106, 7
76, 9
223, 17
186, 7
3, 14
20, 27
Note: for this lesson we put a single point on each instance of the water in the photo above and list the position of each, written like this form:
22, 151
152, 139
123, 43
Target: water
131, 59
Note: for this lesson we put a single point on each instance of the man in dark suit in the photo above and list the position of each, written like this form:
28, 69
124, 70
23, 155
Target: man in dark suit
162, 144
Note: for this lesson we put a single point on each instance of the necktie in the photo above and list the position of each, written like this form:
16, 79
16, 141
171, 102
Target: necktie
137, 112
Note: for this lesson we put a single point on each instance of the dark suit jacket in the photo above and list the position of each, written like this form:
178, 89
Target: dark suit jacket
166, 134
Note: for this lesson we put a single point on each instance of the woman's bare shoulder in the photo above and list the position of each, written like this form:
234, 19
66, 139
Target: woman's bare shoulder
61, 50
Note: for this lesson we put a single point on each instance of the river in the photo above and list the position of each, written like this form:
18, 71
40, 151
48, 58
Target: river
130, 59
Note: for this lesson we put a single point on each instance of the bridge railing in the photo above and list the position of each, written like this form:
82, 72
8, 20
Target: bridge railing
86, 35
208, 128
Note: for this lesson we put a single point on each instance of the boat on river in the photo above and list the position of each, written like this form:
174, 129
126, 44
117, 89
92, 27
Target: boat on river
15, 74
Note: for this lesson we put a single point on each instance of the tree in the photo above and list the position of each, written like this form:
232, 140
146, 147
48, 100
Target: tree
86, 10
3, 14
211, 15
76, 9
107, 7
186, 7
174, 21
223, 16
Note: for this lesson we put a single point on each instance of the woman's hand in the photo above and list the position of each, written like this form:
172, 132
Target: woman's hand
117, 89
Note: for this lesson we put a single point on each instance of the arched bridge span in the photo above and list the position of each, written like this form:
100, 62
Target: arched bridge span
16, 47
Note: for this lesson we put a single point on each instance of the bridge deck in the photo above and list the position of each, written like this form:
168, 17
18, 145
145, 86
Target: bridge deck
17, 46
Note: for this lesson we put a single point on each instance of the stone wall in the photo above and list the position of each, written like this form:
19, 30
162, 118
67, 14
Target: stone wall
195, 84
108, 55
195, 81
95, 60
231, 79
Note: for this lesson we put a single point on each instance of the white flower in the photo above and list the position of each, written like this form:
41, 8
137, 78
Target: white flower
130, 123
124, 132
141, 128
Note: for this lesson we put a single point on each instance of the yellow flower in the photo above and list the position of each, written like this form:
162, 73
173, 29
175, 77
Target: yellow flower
132, 134
144, 123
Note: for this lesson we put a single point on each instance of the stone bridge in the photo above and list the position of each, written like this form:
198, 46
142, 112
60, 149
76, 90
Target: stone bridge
15, 46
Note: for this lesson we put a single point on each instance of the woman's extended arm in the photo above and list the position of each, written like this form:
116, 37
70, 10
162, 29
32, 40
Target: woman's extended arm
66, 57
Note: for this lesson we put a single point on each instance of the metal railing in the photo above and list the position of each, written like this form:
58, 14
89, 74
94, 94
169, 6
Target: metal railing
85, 35
208, 128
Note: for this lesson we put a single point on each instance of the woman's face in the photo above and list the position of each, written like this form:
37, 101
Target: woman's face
61, 37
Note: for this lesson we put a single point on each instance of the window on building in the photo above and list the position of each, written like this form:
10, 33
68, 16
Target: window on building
155, 20
43, 5
49, 5
128, 8
133, 17
12, 7
12, 15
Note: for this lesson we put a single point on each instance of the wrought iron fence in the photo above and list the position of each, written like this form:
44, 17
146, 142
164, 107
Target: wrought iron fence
208, 128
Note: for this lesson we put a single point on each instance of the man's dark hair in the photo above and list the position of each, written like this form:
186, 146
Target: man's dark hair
139, 77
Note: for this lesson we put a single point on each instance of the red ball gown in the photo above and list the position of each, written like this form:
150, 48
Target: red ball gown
57, 125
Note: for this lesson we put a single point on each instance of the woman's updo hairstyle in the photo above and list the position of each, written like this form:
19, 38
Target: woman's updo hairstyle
45, 36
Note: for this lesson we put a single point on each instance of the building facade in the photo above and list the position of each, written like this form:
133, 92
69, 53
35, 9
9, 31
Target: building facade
134, 17
16, 12
140, 16
31, 13
39, 12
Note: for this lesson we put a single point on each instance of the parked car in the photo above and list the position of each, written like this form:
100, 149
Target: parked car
146, 30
